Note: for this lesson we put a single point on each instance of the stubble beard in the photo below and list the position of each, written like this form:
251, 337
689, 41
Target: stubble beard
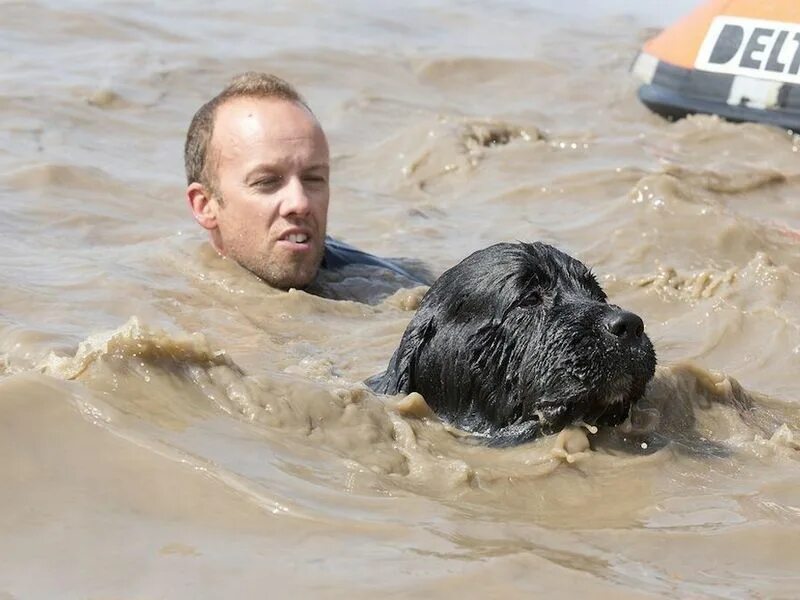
286, 271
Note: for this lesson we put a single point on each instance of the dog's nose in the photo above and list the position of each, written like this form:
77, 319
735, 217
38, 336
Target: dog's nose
625, 325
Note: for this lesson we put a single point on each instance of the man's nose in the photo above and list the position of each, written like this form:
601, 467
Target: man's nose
294, 200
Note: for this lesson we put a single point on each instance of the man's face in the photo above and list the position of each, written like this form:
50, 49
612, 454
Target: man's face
272, 171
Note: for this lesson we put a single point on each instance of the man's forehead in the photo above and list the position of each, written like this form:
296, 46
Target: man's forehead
242, 121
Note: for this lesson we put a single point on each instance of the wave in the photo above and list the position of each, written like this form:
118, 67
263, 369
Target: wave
736, 182
170, 381
452, 145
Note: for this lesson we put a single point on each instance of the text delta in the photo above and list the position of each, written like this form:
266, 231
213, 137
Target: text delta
752, 47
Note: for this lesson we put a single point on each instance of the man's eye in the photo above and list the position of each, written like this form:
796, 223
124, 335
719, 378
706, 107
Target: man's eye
314, 179
268, 182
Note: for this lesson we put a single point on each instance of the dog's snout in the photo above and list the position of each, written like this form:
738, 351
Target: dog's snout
625, 325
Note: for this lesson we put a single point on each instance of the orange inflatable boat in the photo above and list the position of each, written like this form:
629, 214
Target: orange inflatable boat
739, 59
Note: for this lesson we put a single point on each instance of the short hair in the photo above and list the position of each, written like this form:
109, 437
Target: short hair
245, 85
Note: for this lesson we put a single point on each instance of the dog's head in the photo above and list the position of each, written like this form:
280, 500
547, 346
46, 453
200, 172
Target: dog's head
518, 340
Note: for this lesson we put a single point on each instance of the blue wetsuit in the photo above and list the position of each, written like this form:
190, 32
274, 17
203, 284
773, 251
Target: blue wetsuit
339, 255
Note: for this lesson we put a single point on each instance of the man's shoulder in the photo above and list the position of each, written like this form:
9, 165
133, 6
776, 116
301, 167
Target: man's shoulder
339, 255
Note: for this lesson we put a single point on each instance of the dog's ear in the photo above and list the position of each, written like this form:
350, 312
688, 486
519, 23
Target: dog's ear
399, 374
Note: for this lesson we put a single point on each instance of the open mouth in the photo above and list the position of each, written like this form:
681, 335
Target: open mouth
611, 406
295, 240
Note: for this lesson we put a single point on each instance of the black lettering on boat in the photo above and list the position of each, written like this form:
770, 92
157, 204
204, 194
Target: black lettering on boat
755, 48
754, 45
795, 66
773, 64
728, 43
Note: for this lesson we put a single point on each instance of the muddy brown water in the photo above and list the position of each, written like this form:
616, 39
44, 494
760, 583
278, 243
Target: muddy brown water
172, 428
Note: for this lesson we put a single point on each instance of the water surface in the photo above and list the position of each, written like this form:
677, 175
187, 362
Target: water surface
171, 427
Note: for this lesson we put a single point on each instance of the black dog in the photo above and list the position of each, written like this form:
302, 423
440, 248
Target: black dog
517, 341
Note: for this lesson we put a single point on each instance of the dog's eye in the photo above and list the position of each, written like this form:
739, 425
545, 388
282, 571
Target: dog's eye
533, 299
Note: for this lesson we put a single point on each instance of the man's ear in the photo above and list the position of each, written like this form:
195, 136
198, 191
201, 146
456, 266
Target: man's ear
203, 206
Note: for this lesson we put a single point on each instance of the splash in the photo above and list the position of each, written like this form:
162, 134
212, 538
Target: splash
134, 341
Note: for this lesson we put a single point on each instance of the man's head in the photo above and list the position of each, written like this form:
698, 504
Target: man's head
257, 168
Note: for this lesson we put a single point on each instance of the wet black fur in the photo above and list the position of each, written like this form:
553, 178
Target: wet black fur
513, 343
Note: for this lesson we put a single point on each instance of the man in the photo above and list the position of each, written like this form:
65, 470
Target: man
258, 171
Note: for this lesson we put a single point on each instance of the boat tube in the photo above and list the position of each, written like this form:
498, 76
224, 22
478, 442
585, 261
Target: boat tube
739, 59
